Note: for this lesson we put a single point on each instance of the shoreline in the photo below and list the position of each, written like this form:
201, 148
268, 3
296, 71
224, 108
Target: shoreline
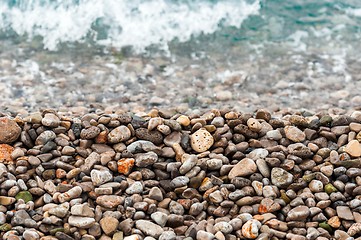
163, 175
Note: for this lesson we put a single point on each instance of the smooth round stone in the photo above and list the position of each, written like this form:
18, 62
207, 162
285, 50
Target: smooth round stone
251, 228
274, 135
119, 134
345, 213
9, 130
176, 208
152, 136
50, 120
224, 227
183, 120
201, 140
61, 210
281, 178
294, 134
299, 213
156, 194
179, 181
316, 186
6, 200
243, 168
30, 235
203, 235
254, 125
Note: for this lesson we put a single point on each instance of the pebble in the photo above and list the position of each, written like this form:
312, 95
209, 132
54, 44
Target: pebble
5, 154
251, 228
294, 134
149, 228
299, 213
160, 218
353, 148
119, 134
50, 120
281, 178
243, 168
203, 235
344, 212
100, 177
81, 222
109, 201
109, 225
136, 187
9, 130
201, 140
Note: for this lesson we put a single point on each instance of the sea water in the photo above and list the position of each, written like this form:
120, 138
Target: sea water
278, 42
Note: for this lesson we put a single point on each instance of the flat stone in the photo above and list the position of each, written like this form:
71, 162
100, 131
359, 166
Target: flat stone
60, 211
353, 148
149, 228
9, 130
109, 201
6, 201
146, 159
81, 222
345, 213
243, 168
109, 225
294, 134
298, 213
82, 210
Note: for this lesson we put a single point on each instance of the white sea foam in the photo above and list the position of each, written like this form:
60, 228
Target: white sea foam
135, 23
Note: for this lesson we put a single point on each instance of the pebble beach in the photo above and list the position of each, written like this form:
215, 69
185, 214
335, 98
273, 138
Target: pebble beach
218, 175
180, 120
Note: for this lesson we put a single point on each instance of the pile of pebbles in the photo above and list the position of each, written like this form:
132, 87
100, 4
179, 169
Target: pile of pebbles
219, 175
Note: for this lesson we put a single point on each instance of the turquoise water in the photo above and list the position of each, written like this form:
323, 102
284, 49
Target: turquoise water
168, 26
289, 53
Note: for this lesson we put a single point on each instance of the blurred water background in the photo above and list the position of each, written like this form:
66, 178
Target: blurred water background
245, 53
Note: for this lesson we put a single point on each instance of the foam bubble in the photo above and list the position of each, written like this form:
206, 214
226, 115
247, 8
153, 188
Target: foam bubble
118, 23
